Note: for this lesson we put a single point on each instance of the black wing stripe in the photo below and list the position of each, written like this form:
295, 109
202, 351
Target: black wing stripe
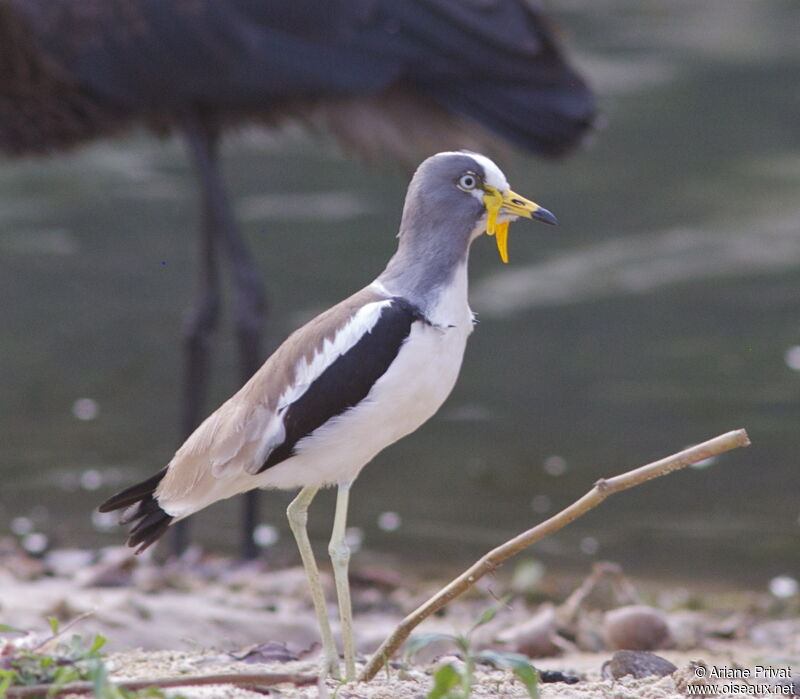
348, 380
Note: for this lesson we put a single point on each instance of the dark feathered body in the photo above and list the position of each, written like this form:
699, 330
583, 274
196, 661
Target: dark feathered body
404, 77
369, 70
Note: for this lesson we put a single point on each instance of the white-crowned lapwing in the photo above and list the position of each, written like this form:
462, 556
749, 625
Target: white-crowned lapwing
350, 382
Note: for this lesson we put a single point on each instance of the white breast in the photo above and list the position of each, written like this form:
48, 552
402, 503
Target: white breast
407, 395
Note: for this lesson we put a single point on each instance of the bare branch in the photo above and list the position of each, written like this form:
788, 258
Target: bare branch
264, 679
57, 634
602, 489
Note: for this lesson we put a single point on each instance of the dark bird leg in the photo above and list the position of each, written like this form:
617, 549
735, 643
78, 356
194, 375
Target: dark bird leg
202, 319
220, 229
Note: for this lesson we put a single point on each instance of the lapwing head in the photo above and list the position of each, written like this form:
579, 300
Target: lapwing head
462, 190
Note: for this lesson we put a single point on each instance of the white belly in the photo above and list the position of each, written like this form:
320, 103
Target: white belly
408, 394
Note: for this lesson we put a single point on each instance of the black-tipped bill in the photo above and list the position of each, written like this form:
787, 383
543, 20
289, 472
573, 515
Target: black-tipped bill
514, 204
545, 216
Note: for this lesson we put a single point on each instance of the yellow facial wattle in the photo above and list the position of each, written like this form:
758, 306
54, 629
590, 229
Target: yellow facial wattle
493, 201
501, 233
515, 205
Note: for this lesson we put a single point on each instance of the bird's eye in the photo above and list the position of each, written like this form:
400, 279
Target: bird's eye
468, 181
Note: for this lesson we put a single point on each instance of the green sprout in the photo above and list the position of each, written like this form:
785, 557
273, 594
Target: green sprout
455, 680
57, 663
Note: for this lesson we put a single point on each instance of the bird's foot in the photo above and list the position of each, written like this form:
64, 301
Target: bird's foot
330, 667
349, 671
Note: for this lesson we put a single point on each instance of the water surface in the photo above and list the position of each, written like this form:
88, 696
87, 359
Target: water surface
662, 311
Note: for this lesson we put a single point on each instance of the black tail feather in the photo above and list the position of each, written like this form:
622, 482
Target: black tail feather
152, 520
149, 529
134, 494
139, 510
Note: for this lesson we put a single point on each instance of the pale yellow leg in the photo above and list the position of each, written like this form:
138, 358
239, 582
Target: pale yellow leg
340, 557
297, 512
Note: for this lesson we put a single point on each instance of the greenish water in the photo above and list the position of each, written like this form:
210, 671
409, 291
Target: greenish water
662, 311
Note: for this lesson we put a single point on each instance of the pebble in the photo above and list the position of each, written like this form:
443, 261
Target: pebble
66, 562
269, 652
535, 637
457, 663
636, 627
638, 663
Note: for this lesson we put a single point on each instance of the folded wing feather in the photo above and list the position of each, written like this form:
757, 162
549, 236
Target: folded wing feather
239, 436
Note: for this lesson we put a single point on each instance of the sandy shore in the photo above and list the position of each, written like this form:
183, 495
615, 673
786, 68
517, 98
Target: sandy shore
205, 615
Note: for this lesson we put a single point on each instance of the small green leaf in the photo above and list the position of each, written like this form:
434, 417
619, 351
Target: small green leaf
54, 624
5, 628
528, 675
463, 642
485, 618
445, 680
98, 678
74, 648
420, 641
98, 642
103, 687
62, 676
516, 662
6, 678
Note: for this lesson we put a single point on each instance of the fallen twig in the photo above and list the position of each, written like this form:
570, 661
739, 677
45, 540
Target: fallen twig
58, 632
625, 593
263, 679
601, 490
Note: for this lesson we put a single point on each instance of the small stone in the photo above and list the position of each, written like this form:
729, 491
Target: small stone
548, 676
638, 663
66, 562
117, 573
458, 664
269, 652
535, 637
636, 627
23, 566
688, 629
65, 610
406, 674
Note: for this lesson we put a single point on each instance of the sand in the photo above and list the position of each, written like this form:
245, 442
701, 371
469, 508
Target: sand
203, 615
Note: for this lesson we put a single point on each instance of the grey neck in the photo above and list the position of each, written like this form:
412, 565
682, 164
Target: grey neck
429, 253
419, 278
